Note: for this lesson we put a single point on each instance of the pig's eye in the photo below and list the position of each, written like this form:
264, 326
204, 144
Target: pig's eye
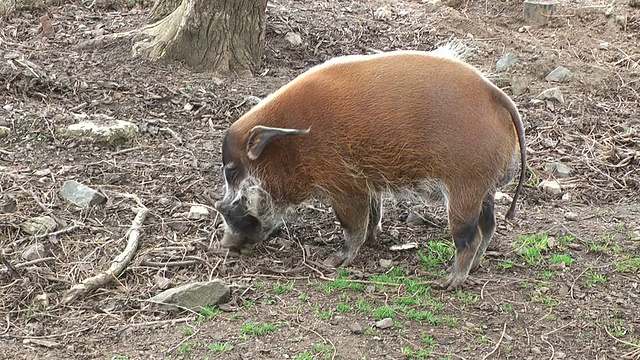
232, 173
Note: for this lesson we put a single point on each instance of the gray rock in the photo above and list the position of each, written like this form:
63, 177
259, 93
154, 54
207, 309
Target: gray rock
7, 204
81, 195
356, 328
566, 197
34, 252
502, 198
560, 74
558, 169
383, 13
386, 263
519, 85
4, 131
293, 38
553, 94
102, 130
384, 323
194, 296
551, 186
39, 225
415, 219
571, 216
43, 172
198, 212
562, 170
505, 62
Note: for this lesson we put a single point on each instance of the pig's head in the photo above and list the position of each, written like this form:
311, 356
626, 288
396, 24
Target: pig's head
247, 208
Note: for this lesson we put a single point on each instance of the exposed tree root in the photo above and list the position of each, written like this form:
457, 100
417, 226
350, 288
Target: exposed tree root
119, 263
152, 39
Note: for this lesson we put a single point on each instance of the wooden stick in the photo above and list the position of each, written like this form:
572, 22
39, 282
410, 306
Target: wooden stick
117, 266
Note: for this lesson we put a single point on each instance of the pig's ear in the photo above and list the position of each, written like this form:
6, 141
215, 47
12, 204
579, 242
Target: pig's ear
260, 136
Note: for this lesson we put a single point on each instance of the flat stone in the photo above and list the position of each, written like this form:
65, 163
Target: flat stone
502, 198
386, 263
562, 170
356, 328
551, 186
384, 323
415, 219
558, 169
560, 74
519, 85
39, 225
383, 13
553, 94
7, 204
4, 131
194, 296
80, 194
34, 252
571, 216
102, 130
293, 38
198, 212
505, 62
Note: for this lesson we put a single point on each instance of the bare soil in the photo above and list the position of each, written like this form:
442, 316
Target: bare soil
510, 309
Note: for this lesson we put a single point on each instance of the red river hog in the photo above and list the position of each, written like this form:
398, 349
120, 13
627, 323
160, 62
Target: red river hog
360, 126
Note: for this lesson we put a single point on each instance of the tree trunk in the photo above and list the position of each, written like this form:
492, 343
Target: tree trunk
220, 36
162, 8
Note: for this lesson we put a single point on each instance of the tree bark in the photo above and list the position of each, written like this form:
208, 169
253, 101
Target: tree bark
219, 36
162, 8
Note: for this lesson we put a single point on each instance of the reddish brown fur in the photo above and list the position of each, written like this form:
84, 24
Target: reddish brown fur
391, 122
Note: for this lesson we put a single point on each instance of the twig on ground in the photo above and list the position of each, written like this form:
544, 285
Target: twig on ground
59, 232
333, 354
635, 352
12, 270
29, 263
8, 320
553, 350
167, 263
504, 328
119, 264
173, 134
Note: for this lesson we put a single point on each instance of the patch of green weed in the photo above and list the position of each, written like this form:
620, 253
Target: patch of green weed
383, 312
186, 349
256, 329
280, 288
207, 313
558, 258
219, 348
530, 248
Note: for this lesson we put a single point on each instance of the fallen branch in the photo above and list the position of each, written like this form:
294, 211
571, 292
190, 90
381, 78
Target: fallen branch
28, 263
119, 263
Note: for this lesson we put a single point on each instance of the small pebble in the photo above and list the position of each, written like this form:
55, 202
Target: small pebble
384, 323
356, 328
571, 216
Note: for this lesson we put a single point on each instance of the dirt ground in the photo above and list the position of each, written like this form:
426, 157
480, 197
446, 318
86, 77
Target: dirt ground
577, 297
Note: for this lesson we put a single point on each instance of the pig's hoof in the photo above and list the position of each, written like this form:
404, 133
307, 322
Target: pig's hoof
448, 284
335, 260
